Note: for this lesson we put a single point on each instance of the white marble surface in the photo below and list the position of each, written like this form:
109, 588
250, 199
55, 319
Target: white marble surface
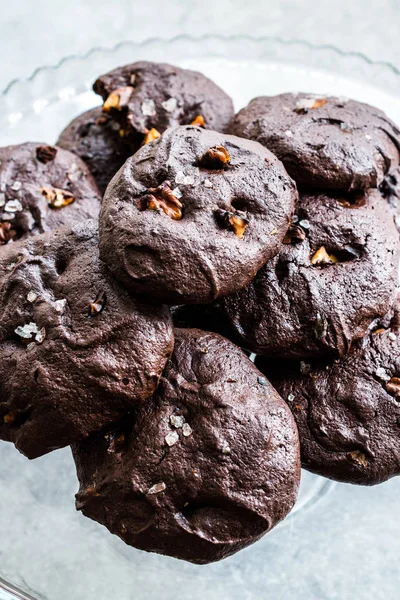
42, 32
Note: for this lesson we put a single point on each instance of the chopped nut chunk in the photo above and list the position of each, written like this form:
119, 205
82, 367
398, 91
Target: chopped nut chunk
198, 121
57, 198
358, 457
46, 154
162, 198
151, 135
118, 98
157, 488
9, 418
215, 158
393, 387
233, 221
98, 305
321, 257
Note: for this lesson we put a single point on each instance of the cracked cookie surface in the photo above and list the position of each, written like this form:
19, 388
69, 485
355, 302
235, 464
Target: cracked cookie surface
96, 139
206, 467
193, 215
42, 188
348, 411
76, 350
324, 142
147, 98
336, 272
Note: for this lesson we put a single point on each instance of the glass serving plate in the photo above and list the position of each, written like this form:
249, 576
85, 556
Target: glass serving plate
338, 540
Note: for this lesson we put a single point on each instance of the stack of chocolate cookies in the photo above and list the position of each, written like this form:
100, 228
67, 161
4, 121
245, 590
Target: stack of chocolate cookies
156, 246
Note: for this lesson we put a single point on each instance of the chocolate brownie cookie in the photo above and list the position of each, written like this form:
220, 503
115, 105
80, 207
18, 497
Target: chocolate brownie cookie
96, 139
205, 468
390, 190
146, 98
76, 351
336, 272
348, 412
42, 188
193, 215
327, 143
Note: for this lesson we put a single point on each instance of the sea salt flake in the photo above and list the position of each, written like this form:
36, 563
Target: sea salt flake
31, 297
392, 336
187, 430
59, 305
226, 449
171, 438
207, 183
177, 421
26, 331
148, 107
8, 216
382, 374
305, 224
368, 137
157, 488
13, 206
305, 103
2, 199
289, 133
40, 336
180, 177
16, 186
170, 105
177, 193
290, 397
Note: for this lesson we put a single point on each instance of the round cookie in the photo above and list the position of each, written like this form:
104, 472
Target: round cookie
205, 468
95, 138
348, 412
76, 350
42, 188
390, 190
146, 98
336, 272
193, 215
324, 142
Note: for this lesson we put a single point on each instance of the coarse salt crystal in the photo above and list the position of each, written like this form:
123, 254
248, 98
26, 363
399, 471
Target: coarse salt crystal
382, 374
177, 193
304, 103
171, 438
289, 133
368, 137
13, 206
148, 107
16, 186
207, 183
40, 336
177, 421
26, 331
59, 305
2, 199
31, 297
157, 488
304, 223
8, 217
226, 449
290, 397
187, 430
392, 336
170, 105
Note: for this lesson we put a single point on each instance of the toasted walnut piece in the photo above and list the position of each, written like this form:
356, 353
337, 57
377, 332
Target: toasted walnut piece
199, 121
46, 154
321, 257
378, 331
9, 418
294, 235
393, 387
358, 457
98, 305
215, 158
57, 198
239, 225
6, 233
152, 134
118, 98
231, 220
319, 103
91, 491
162, 198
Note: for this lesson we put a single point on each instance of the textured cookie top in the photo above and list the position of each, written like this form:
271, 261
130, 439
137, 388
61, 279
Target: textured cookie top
150, 97
193, 215
208, 465
336, 272
76, 351
328, 143
348, 412
96, 139
41, 188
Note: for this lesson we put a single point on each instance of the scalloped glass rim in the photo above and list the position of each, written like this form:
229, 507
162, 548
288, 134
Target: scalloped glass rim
37, 108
